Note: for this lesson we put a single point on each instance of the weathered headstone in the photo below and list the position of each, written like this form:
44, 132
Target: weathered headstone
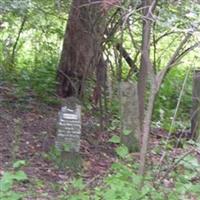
69, 127
129, 116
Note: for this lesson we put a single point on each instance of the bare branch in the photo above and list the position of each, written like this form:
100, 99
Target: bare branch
164, 35
127, 57
161, 75
171, 168
163, 51
186, 51
18, 37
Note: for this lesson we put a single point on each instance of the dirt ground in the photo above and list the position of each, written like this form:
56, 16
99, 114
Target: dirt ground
28, 132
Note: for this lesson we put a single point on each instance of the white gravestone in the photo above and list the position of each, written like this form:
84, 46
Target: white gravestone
69, 128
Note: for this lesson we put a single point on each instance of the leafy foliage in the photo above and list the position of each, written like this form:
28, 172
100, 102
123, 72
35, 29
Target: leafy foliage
167, 100
29, 58
123, 182
29, 53
122, 151
7, 181
115, 139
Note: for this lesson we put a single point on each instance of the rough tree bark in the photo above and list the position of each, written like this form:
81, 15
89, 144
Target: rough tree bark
81, 47
146, 71
144, 63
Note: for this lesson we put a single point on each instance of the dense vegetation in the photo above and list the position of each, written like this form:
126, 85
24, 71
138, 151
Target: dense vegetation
31, 37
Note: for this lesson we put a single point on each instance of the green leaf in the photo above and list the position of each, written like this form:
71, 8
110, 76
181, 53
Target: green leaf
110, 194
117, 166
10, 195
78, 184
195, 189
122, 151
19, 164
5, 185
190, 162
7, 177
115, 139
126, 132
66, 147
20, 176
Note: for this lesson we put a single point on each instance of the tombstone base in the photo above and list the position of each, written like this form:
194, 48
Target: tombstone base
71, 160
131, 142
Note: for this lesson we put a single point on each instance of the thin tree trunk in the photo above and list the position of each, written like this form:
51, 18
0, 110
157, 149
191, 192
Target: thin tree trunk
195, 121
24, 19
146, 72
143, 73
146, 128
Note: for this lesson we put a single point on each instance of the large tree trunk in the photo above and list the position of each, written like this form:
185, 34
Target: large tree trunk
81, 47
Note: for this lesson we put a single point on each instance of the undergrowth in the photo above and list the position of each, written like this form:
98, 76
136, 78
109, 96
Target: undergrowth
11, 179
124, 183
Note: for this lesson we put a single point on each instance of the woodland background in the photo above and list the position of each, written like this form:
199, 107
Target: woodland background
54, 49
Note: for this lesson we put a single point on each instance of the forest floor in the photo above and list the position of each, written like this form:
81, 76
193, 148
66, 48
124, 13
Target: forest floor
28, 132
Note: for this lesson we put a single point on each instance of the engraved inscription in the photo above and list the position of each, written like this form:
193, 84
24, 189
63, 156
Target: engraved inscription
69, 128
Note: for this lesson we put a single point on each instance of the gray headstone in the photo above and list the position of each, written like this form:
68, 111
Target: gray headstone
69, 128
129, 116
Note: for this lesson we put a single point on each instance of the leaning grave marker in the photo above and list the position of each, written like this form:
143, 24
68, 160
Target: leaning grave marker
69, 126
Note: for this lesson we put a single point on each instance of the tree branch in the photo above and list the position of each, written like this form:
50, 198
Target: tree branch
161, 75
17, 39
127, 57
164, 35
